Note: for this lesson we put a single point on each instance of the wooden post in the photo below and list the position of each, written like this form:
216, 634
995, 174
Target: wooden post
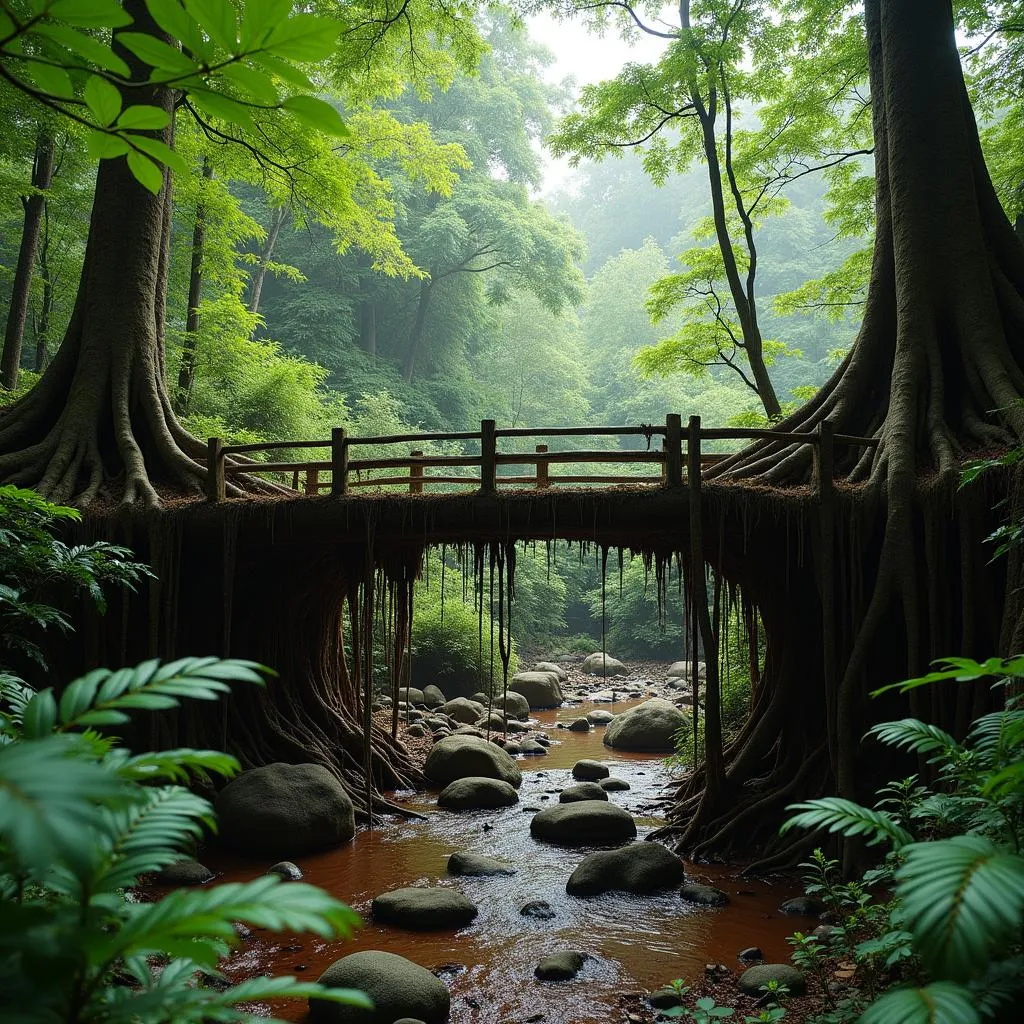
312, 481
674, 449
488, 451
339, 462
416, 475
543, 480
295, 480
216, 489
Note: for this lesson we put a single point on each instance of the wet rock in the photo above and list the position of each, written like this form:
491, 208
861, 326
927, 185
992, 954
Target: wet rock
283, 811
540, 910
550, 666
585, 823
588, 771
433, 697
599, 664
543, 741
802, 906
409, 1020
703, 895
580, 725
824, 932
477, 792
664, 999
637, 868
650, 726
515, 705
398, 987
582, 791
423, 909
599, 717
531, 747
286, 870
460, 757
495, 722
560, 966
411, 695
754, 979
183, 872
684, 669
515, 726
541, 689
416, 729
477, 864
464, 710
750, 955
612, 785
512, 749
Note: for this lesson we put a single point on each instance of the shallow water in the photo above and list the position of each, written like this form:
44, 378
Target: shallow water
637, 943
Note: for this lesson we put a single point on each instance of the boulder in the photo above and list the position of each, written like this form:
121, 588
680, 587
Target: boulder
515, 705
614, 785
411, 695
582, 791
541, 689
750, 955
183, 872
464, 710
703, 895
599, 717
580, 725
470, 730
433, 697
286, 870
461, 757
684, 669
423, 909
528, 745
650, 726
637, 868
584, 823
540, 910
495, 722
475, 792
550, 666
560, 966
477, 864
513, 725
802, 906
589, 771
398, 987
599, 664
754, 979
416, 730
283, 811
664, 999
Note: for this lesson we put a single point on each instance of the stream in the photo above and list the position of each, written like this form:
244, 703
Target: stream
636, 943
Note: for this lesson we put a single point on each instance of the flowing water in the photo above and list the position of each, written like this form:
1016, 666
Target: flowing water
636, 943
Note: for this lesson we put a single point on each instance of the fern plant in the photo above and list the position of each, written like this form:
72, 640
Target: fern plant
82, 818
954, 926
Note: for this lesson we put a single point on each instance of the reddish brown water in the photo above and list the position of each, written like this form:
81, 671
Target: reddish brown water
637, 943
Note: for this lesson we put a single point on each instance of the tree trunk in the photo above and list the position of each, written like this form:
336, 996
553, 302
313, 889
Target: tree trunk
416, 334
260, 273
17, 315
189, 348
100, 419
41, 320
368, 327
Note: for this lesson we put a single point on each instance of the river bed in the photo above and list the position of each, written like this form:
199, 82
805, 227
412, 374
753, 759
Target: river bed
636, 943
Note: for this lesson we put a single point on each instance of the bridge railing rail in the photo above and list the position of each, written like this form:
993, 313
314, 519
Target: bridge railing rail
676, 457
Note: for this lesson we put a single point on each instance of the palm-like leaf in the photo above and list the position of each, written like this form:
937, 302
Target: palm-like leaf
961, 898
943, 1002
177, 765
850, 819
916, 736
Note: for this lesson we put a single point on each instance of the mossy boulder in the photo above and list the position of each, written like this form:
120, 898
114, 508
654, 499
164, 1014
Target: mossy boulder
183, 872
560, 966
283, 811
582, 791
475, 792
461, 757
478, 865
428, 908
590, 771
433, 697
649, 727
755, 978
411, 695
398, 987
637, 868
584, 823
541, 689
599, 664
464, 710
515, 705
703, 895
550, 666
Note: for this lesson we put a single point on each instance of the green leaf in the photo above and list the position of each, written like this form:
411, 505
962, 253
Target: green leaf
150, 176
161, 153
217, 20
104, 146
40, 715
84, 46
284, 70
316, 113
103, 100
261, 17
916, 736
158, 54
90, 13
255, 85
963, 899
942, 1002
141, 116
53, 81
848, 818
223, 108
305, 37
175, 21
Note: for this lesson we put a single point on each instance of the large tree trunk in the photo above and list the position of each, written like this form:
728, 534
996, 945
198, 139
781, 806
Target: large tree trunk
266, 253
368, 327
936, 373
17, 315
43, 317
416, 333
100, 420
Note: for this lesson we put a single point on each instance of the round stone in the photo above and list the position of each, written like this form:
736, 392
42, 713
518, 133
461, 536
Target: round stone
584, 823
423, 909
636, 868
753, 980
582, 791
589, 771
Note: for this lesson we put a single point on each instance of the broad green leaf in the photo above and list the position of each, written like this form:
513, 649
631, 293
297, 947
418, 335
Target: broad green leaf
217, 19
158, 54
53, 81
84, 46
140, 116
316, 114
942, 1002
171, 17
150, 177
261, 17
40, 715
160, 152
103, 146
223, 108
90, 13
284, 70
258, 87
305, 37
847, 818
103, 100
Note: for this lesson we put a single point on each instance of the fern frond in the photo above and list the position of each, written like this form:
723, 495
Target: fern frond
943, 1002
849, 819
962, 670
962, 898
172, 765
914, 735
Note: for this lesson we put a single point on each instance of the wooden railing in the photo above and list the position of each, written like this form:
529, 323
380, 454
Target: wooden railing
678, 456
